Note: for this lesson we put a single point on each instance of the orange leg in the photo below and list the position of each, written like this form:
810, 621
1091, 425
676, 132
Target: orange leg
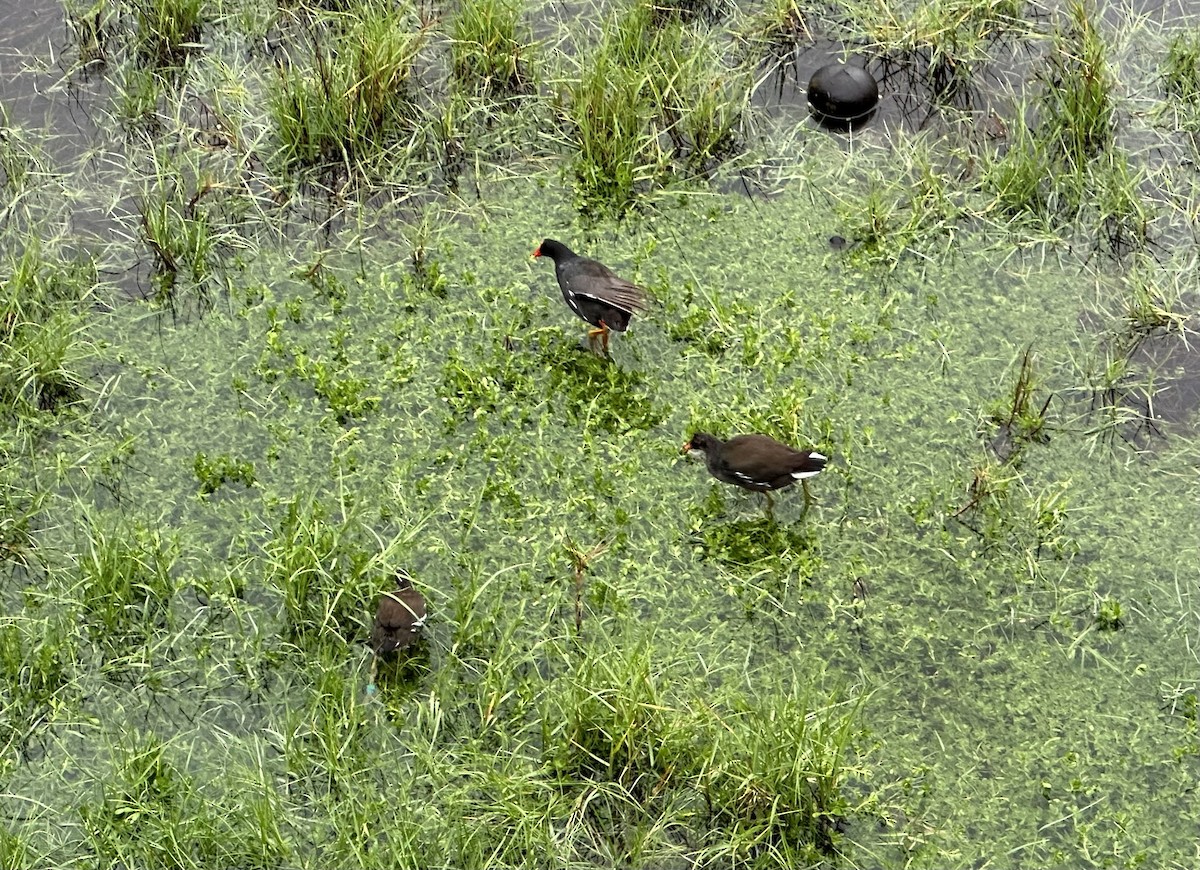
602, 331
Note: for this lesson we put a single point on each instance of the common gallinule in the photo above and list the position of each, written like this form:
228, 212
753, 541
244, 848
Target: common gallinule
757, 462
399, 617
593, 292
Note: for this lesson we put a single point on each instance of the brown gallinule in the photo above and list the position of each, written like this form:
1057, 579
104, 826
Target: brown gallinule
757, 462
593, 292
399, 617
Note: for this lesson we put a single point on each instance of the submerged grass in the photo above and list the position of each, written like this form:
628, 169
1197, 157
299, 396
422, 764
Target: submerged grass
625, 663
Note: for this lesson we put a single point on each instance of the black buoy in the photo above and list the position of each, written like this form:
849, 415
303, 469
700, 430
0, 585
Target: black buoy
842, 93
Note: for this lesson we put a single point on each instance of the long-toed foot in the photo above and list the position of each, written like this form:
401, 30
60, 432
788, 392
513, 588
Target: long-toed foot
809, 501
602, 332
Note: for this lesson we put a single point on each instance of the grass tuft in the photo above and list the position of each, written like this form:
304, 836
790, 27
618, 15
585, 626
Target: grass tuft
168, 30
654, 102
1079, 114
489, 52
350, 100
42, 346
322, 569
774, 784
125, 577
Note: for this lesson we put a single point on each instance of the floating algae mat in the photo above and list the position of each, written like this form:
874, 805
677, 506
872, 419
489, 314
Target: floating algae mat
232, 420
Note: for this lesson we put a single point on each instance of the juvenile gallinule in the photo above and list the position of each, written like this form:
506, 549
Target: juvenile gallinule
399, 617
757, 462
593, 292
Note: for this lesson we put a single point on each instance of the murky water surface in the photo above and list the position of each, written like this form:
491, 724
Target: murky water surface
445, 418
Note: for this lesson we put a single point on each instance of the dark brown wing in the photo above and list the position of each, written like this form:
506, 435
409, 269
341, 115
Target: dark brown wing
398, 620
758, 459
584, 277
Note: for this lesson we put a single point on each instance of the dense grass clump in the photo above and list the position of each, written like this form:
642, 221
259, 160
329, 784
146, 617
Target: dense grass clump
167, 30
616, 719
489, 50
42, 345
763, 777
125, 580
1180, 69
37, 669
655, 102
940, 44
775, 783
153, 812
349, 99
1078, 104
1061, 160
322, 570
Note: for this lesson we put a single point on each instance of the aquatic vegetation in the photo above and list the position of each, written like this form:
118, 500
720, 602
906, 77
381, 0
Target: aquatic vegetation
943, 44
167, 30
269, 330
490, 54
1017, 420
214, 473
776, 784
1108, 614
347, 99
645, 111
42, 344
126, 586
321, 567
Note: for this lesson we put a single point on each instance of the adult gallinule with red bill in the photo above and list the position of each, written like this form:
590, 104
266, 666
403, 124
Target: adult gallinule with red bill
593, 291
757, 462
399, 617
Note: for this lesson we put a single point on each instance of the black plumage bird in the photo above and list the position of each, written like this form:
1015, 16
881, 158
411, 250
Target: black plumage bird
593, 291
757, 462
399, 617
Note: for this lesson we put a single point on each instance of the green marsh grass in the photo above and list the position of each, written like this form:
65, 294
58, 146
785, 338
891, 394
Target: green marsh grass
915, 211
43, 327
1180, 69
1179, 78
1078, 101
1153, 299
167, 30
348, 100
126, 583
644, 111
619, 154
38, 669
776, 783
322, 569
945, 42
489, 50
1020, 419
779, 27
404, 389
91, 25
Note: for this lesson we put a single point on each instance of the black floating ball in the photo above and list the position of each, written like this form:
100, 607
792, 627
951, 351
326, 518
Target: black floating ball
842, 92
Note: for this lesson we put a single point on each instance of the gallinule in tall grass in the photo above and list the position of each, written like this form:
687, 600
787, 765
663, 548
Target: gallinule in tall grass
593, 291
757, 463
399, 617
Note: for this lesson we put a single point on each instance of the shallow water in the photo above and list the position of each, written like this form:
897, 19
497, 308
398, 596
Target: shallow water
460, 429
